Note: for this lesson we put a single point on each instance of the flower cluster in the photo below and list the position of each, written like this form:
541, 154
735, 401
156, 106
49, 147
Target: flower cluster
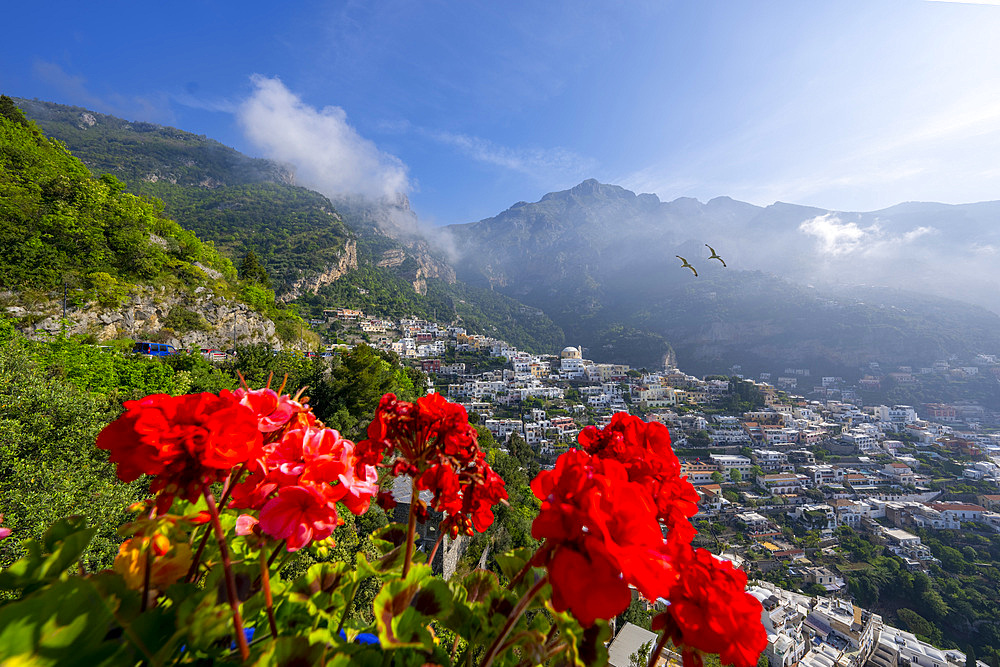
710, 612
305, 469
596, 526
433, 442
183, 442
604, 510
645, 451
298, 469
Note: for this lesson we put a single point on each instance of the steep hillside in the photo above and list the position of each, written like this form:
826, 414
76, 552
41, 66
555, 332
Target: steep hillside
109, 259
351, 253
237, 202
600, 260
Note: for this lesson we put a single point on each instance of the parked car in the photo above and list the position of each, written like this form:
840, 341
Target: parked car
154, 349
213, 355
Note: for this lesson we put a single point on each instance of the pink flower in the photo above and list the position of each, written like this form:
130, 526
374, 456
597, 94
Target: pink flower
272, 411
245, 524
4, 532
299, 515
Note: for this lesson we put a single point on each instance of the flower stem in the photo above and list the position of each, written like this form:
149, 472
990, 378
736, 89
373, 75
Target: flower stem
430, 559
347, 607
193, 570
539, 558
265, 577
226, 490
234, 603
274, 554
522, 604
519, 576
411, 528
146, 575
655, 655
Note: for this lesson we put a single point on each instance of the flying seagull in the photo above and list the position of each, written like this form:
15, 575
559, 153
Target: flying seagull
715, 255
685, 263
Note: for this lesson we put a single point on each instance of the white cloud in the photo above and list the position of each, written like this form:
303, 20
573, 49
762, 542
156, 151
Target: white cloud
839, 238
915, 234
329, 155
835, 236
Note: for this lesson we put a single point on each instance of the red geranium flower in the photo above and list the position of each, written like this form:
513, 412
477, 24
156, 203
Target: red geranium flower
710, 611
274, 411
433, 442
299, 515
183, 441
307, 458
594, 518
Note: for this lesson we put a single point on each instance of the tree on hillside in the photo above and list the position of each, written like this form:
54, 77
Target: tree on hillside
348, 397
970, 656
10, 110
736, 476
251, 270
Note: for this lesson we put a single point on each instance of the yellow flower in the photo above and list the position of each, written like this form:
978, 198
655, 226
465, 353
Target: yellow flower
165, 569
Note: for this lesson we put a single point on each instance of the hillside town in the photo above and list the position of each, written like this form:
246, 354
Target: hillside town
789, 484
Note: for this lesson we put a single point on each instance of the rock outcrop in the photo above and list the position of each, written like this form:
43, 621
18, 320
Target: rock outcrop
142, 317
311, 283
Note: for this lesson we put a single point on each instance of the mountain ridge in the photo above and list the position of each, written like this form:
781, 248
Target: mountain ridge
599, 258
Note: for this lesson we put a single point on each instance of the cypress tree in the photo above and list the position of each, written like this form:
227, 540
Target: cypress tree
252, 271
970, 656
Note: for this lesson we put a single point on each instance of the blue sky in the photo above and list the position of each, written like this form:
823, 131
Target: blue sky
468, 107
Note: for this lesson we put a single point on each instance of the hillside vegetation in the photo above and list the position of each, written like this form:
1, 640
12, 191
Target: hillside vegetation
60, 224
242, 204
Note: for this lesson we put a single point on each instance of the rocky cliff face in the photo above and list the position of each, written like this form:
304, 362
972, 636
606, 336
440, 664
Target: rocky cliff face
144, 316
393, 218
348, 261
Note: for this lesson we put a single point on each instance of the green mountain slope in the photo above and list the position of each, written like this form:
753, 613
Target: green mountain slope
239, 203
118, 266
312, 253
58, 223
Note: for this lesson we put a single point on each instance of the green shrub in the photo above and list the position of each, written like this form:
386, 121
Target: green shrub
183, 320
107, 290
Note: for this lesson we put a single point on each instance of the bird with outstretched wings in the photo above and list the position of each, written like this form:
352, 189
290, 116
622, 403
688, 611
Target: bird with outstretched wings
715, 255
685, 263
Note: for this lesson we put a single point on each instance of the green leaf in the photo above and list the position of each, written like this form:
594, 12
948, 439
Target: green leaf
587, 646
399, 623
479, 584
513, 562
58, 625
66, 540
200, 617
290, 651
433, 599
61, 530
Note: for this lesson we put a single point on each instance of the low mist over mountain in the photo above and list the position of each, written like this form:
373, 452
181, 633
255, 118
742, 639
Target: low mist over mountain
938, 249
602, 262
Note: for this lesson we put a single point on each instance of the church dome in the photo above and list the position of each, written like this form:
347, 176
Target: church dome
570, 353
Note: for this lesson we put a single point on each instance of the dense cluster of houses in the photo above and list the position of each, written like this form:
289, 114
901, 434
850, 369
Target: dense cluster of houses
771, 453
